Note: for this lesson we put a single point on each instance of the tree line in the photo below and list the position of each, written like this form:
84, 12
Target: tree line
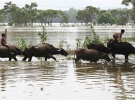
29, 14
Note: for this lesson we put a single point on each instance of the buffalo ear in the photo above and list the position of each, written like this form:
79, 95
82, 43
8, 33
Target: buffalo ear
59, 50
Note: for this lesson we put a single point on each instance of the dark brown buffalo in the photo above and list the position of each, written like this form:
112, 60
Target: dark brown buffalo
123, 48
4, 53
91, 55
99, 47
45, 50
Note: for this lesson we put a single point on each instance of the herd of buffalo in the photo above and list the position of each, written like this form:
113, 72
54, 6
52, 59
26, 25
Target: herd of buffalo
40, 50
93, 53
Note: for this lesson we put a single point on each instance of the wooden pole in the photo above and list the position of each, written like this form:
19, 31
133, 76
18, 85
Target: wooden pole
6, 34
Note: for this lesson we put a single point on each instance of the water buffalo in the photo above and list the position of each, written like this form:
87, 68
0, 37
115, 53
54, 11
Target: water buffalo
91, 55
45, 50
123, 48
99, 47
4, 53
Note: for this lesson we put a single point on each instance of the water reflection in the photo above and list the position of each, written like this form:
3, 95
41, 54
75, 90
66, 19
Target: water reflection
113, 78
3, 79
63, 79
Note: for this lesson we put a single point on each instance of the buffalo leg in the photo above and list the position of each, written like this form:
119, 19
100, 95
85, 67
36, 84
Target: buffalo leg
51, 56
45, 58
76, 60
10, 58
113, 55
126, 56
24, 59
15, 58
30, 58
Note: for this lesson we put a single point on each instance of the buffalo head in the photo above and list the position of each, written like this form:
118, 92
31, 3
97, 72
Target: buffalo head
62, 52
105, 56
18, 51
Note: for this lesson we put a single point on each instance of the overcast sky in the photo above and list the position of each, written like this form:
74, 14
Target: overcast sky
66, 4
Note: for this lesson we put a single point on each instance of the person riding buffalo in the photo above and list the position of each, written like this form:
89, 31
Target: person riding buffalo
118, 35
4, 43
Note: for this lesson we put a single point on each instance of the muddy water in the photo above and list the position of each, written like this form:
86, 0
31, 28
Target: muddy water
63, 79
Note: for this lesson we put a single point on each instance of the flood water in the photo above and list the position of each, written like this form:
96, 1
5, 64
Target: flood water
63, 79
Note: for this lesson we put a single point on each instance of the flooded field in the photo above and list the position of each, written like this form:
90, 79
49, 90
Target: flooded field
66, 35
63, 79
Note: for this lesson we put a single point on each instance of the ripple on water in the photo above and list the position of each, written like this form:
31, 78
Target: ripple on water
63, 79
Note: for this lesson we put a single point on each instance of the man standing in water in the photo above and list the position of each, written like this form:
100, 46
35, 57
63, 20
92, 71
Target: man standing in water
117, 36
3, 42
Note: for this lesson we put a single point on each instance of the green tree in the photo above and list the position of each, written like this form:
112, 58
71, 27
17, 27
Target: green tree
17, 17
127, 2
102, 11
10, 10
114, 13
31, 12
64, 17
42, 16
123, 17
51, 14
20, 15
71, 13
89, 14
2, 16
25, 16
132, 14
80, 16
105, 18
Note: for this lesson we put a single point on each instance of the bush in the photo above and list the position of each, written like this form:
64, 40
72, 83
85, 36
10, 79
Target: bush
96, 39
43, 35
10, 23
21, 43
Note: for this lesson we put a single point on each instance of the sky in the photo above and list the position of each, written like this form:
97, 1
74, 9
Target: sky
67, 4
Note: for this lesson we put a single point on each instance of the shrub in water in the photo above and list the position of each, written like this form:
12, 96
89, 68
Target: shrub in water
42, 35
21, 43
96, 39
